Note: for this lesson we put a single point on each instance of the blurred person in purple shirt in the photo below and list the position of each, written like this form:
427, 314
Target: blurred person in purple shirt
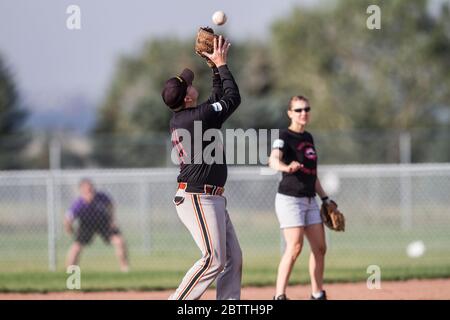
94, 211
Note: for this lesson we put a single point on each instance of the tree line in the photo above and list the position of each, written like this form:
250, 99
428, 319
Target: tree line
395, 78
390, 80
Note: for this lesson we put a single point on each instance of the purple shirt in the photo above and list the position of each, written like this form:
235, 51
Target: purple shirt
98, 207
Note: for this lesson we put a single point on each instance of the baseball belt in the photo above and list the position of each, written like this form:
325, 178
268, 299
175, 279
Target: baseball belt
207, 188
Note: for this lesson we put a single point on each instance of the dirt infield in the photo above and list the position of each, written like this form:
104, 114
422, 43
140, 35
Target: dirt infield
412, 289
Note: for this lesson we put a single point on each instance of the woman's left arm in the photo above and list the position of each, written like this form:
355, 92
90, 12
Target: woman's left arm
322, 194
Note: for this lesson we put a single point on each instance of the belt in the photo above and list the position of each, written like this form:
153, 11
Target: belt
207, 189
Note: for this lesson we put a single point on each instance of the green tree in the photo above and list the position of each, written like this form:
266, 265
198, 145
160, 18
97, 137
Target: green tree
389, 79
13, 136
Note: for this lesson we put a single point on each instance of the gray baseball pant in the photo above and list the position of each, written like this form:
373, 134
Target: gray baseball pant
206, 218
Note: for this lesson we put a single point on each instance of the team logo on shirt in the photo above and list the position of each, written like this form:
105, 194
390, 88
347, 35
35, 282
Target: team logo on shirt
308, 150
310, 153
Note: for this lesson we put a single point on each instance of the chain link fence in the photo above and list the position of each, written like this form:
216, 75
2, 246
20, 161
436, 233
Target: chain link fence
387, 207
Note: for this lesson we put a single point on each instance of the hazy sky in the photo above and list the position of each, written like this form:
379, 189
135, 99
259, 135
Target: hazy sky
51, 63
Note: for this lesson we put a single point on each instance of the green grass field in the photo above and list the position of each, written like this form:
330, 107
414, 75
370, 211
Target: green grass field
24, 263
161, 249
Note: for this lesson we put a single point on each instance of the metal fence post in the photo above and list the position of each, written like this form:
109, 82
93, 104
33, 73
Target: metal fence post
405, 181
51, 224
144, 211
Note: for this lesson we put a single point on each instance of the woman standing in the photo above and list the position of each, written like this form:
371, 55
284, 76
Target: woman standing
295, 156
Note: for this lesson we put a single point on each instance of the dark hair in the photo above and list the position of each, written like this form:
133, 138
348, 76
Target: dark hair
297, 98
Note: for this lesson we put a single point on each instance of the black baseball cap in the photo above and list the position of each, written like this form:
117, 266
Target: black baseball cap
175, 89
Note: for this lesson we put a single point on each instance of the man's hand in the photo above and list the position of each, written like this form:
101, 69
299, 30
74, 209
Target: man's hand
220, 53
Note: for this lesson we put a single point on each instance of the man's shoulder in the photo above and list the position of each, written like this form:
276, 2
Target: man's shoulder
188, 114
102, 196
77, 204
200, 113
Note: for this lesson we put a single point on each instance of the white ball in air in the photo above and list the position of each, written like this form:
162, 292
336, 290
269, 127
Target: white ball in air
219, 18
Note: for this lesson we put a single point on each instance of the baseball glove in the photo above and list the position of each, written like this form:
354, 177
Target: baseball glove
205, 43
331, 216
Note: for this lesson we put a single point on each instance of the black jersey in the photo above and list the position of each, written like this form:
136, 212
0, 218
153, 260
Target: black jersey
298, 147
224, 100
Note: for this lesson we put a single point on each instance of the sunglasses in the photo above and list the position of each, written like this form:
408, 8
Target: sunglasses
307, 109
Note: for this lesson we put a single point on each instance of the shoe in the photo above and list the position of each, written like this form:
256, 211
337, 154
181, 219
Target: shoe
322, 297
281, 297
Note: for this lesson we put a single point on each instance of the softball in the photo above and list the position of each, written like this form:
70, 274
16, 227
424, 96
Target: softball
415, 249
219, 18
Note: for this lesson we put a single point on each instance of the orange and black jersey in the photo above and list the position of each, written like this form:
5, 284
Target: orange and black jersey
298, 147
224, 100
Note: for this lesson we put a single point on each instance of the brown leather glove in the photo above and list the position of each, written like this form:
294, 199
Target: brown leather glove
205, 43
331, 216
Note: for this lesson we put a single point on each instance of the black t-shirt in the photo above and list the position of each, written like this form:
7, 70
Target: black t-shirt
298, 147
195, 169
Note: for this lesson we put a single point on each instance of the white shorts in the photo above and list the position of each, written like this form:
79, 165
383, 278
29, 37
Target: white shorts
296, 211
